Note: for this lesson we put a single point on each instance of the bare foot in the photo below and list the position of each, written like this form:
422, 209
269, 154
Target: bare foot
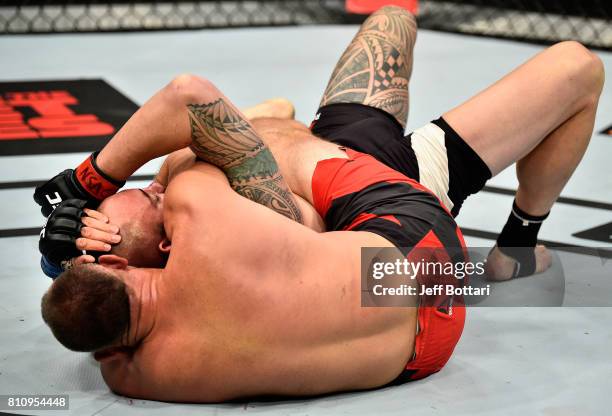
275, 108
500, 267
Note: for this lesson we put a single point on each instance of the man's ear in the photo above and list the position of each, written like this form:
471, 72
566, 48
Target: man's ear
111, 354
113, 261
165, 245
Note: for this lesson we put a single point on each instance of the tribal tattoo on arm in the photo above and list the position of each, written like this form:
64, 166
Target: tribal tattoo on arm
376, 67
221, 136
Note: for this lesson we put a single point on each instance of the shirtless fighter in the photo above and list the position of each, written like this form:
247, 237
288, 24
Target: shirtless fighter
285, 308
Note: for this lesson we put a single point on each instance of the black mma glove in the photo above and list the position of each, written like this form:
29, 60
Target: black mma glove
87, 182
58, 237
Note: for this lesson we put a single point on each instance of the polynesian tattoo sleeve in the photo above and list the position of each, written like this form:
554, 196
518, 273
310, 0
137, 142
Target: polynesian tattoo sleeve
223, 137
375, 68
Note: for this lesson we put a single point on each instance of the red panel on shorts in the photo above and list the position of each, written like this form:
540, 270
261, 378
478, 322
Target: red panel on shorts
439, 330
365, 216
337, 177
440, 326
438, 335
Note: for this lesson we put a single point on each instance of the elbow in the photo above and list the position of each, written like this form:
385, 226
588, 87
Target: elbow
188, 89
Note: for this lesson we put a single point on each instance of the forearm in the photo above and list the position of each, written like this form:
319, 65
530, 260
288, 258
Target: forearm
222, 136
158, 128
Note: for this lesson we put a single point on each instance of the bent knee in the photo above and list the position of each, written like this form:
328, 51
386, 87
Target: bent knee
584, 67
396, 10
188, 88
405, 16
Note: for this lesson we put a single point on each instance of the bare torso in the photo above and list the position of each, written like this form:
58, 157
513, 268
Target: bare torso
252, 303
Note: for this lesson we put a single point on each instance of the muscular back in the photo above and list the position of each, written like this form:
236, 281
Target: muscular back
252, 303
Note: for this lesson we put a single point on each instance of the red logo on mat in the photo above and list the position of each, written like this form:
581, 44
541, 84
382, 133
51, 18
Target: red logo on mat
54, 118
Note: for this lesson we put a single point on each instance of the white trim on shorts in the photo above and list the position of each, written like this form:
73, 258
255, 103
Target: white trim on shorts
430, 151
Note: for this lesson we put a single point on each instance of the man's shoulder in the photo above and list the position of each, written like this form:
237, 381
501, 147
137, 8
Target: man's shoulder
190, 193
141, 373
201, 180
199, 173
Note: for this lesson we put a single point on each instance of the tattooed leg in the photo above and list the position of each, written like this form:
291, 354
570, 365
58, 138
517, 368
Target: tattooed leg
375, 68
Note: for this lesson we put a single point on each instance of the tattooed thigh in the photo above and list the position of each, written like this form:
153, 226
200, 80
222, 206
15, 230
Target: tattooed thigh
375, 68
